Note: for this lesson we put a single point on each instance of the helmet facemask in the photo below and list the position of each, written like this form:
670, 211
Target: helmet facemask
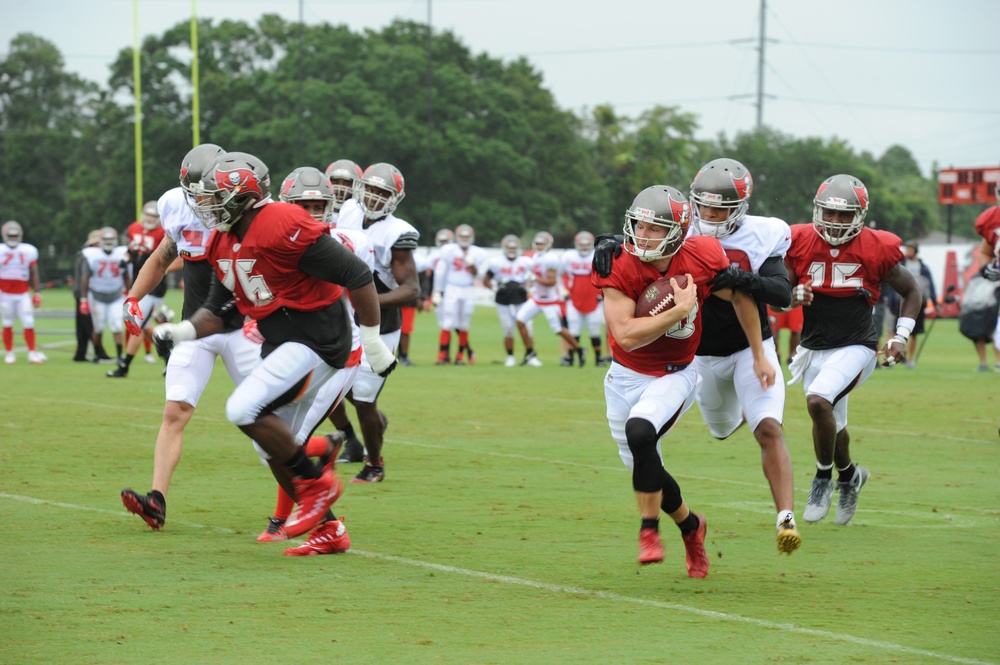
840, 193
12, 234
511, 246
234, 184
465, 236
721, 183
308, 185
379, 190
542, 242
661, 206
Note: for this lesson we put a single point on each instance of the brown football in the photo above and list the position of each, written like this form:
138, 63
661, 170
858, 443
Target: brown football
659, 296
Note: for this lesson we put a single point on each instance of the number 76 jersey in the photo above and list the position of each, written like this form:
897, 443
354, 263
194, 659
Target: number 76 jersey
843, 271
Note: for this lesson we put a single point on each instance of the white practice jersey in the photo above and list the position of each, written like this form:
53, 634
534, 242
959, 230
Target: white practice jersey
756, 239
358, 242
457, 266
15, 264
541, 264
106, 272
385, 234
184, 227
576, 265
350, 216
502, 269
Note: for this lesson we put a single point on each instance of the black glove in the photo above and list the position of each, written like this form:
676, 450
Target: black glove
607, 248
388, 370
735, 278
163, 346
990, 271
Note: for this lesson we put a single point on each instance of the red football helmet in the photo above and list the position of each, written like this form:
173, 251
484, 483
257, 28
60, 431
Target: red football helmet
233, 184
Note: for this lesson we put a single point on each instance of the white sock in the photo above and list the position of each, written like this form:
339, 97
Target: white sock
786, 516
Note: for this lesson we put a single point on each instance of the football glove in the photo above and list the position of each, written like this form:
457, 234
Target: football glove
735, 278
36, 300
991, 271
166, 335
436, 298
132, 315
84, 307
251, 332
606, 250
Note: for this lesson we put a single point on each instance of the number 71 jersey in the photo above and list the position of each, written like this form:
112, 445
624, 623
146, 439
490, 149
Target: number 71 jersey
853, 269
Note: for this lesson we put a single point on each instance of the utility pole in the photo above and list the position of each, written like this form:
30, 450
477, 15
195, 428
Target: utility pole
430, 121
760, 64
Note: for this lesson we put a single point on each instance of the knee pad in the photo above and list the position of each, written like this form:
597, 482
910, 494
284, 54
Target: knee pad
647, 469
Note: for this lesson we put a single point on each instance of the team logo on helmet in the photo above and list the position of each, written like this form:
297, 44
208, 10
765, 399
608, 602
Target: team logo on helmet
681, 211
862, 194
743, 186
238, 181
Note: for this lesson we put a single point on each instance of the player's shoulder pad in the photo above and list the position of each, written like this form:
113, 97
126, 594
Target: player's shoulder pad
409, 240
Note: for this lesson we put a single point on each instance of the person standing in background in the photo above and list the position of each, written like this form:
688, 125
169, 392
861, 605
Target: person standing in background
922, 274
18, 275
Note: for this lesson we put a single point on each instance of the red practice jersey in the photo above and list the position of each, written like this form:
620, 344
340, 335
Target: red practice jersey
700, 256
988, 227
262, 269
846, 282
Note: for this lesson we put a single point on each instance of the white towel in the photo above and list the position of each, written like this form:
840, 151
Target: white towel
799, 364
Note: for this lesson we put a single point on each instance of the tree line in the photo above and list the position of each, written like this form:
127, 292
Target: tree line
479, 140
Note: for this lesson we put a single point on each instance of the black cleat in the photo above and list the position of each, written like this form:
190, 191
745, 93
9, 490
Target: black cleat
146, 506
352, 452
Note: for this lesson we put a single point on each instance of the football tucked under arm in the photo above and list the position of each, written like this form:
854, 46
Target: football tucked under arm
659, 296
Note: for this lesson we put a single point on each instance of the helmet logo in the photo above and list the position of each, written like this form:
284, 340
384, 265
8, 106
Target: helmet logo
862, 194
239, 180
679, 210
743, 186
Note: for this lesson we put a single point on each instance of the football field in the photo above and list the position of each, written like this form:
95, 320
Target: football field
505, 531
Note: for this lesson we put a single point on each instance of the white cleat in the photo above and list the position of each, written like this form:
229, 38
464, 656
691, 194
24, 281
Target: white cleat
10, 358
36, 357
510, 362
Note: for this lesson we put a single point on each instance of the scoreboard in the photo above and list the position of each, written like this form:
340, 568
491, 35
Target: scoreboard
971, 185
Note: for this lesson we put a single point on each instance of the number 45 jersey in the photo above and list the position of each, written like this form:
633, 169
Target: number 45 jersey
846, 282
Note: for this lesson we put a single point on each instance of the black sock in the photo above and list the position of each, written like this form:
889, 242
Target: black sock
846, 475
128, 360
529, 352
118, 349
688, 525
302, 466
651, 523
824, 473
348, 430
156, 494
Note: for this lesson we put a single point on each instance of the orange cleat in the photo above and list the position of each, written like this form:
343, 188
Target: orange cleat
650, 547
694, 546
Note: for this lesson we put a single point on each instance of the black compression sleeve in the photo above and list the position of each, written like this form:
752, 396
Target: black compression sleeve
772, 285
330, 261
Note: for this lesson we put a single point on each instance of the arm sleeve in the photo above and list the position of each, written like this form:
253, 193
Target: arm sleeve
772, 287
328, 260
220, 300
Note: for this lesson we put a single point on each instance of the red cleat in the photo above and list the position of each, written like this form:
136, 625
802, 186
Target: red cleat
650, 547
329, 538
314, 496
694, 546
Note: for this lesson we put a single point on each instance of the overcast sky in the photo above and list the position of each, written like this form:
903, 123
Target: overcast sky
924, 74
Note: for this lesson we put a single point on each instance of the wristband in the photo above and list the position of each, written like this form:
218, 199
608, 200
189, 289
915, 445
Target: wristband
904, 326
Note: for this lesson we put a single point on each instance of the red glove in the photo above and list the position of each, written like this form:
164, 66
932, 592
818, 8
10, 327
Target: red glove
36, 300
84, 307
132, 315
251, 333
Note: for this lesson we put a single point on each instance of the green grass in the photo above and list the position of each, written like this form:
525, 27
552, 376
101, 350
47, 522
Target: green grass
504, 533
